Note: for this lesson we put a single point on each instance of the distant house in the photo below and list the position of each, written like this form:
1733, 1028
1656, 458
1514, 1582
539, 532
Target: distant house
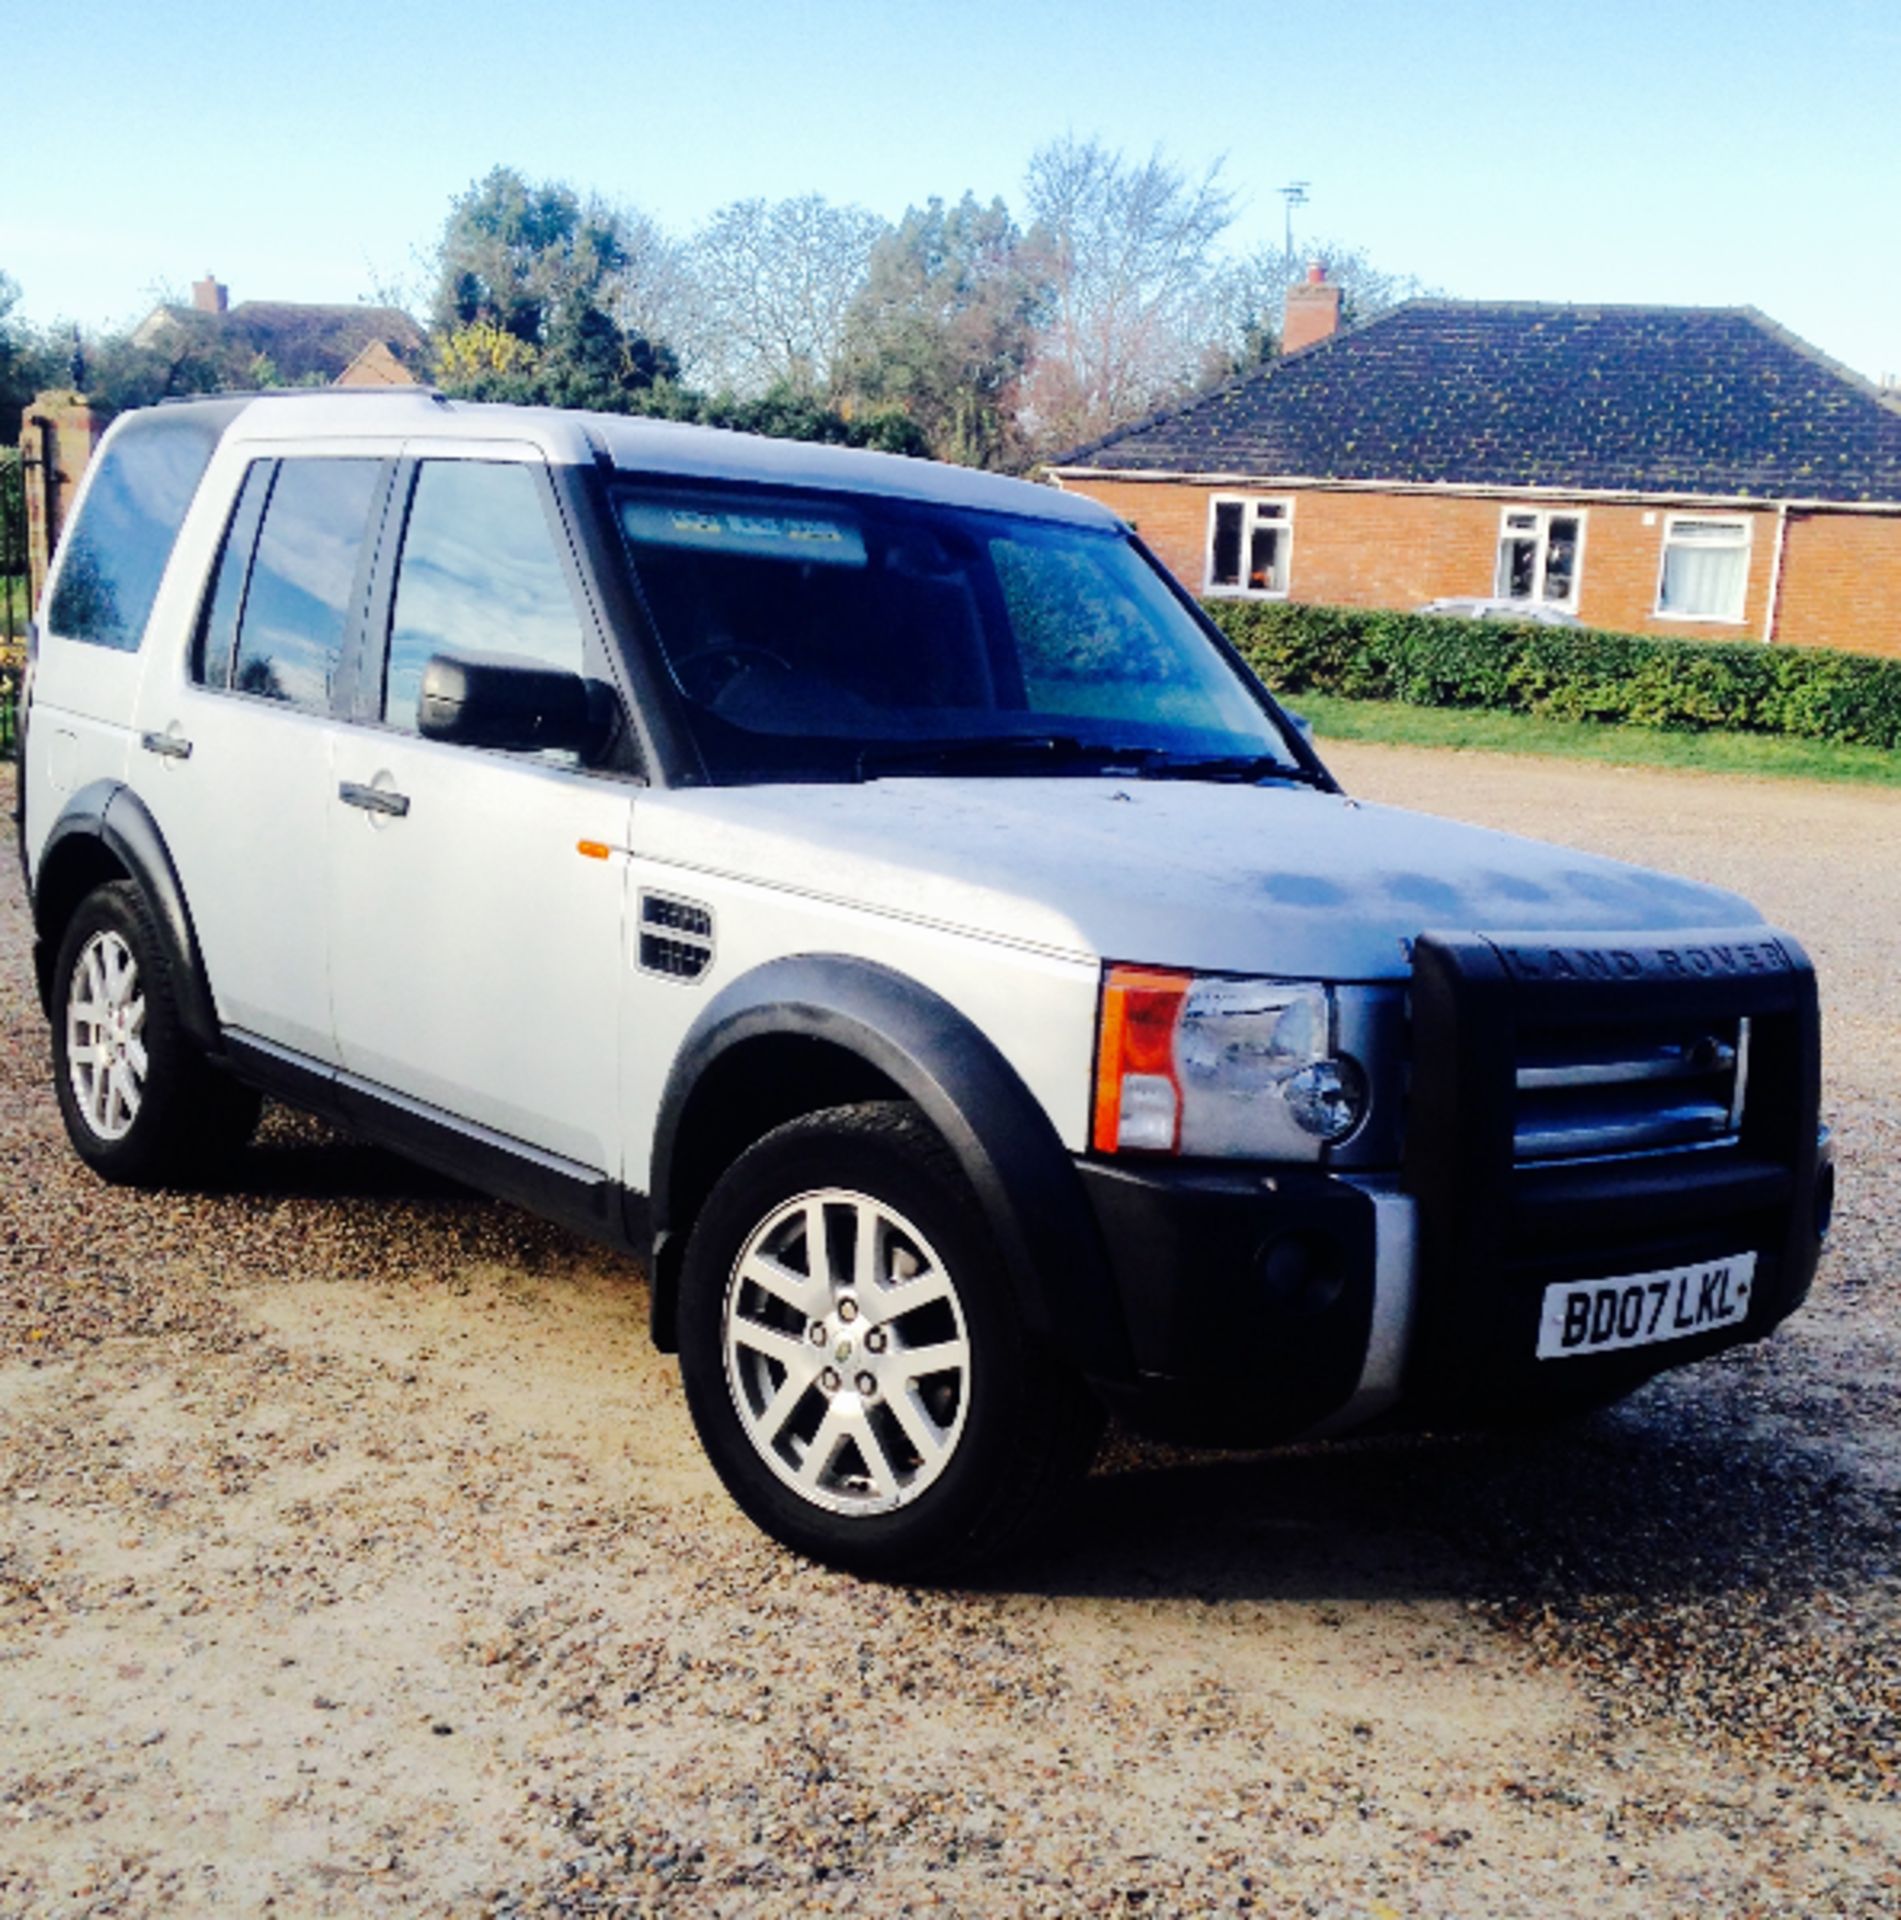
343, 345
1693, 471
376, 366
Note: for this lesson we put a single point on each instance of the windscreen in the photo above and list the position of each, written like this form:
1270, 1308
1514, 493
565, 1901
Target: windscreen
820, 637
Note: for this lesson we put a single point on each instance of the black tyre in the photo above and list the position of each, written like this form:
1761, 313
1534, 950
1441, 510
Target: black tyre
853, 1355
142, 1106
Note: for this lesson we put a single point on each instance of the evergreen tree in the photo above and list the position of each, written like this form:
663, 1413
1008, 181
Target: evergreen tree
945, 325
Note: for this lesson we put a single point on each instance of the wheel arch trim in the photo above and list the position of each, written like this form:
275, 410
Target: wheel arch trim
109, 814
1024, 1179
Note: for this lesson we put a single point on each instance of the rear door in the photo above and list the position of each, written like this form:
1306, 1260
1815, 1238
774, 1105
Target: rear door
477, 895
120, 594
241, 735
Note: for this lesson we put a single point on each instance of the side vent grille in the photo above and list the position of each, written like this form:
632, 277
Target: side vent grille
676, 937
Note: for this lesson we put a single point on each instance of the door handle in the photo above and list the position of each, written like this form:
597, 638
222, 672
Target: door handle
373, 799
171, 745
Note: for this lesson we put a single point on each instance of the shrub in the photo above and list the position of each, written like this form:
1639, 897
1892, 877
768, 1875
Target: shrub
1568, 673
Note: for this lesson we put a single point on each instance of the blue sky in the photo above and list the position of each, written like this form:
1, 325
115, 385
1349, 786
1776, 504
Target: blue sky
1746, 153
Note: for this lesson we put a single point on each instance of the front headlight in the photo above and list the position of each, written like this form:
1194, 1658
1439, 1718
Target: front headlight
1221, 1068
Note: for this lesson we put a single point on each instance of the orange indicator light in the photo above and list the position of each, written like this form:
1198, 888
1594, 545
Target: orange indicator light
1140, 1008
592, 849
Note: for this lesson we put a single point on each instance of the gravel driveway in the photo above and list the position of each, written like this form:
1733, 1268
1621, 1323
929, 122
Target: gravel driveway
356, 1557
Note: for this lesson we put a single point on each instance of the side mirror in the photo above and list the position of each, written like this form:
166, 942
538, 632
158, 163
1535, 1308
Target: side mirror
512, 704
1300, 723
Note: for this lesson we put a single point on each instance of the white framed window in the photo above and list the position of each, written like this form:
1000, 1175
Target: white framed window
1250, 546
1704, 573
1540, 557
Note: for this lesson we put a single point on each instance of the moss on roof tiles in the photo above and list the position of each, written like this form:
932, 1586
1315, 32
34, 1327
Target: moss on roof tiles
1597, 399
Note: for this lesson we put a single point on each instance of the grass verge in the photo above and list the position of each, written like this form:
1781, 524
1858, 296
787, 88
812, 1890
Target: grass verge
1774, 755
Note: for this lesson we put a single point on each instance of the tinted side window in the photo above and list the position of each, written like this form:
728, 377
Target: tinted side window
290, 634
115, 554
479, 575
218, 630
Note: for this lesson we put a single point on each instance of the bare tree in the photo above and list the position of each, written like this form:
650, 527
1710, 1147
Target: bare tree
1131, 246
653, 294
772, 283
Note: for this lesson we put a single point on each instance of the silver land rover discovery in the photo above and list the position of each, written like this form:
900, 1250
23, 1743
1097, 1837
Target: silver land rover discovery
873, 894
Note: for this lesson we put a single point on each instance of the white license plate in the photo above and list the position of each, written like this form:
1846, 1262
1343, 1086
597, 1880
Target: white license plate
1642, 1309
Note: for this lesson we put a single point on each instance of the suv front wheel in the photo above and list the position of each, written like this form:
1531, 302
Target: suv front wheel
142, 1106
853, 1355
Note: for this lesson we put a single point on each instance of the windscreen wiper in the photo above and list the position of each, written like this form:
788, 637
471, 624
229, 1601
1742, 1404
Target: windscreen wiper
1242, 767
1003, 749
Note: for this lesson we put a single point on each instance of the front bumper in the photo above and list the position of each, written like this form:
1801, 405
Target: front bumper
1265, 1306
1260, 1302
1263, 1303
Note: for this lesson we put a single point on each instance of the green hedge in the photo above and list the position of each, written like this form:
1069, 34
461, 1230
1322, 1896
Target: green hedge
1568, 673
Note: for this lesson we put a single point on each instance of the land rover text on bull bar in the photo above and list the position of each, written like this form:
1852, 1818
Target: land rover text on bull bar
873, 893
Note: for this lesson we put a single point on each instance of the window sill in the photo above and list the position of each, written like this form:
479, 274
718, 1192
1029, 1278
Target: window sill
1244, 593
268, 703
1701, 619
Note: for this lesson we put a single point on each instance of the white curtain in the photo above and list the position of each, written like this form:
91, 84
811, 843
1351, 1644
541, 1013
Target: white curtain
1704, 580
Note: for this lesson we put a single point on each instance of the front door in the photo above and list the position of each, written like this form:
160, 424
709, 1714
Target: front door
477, 896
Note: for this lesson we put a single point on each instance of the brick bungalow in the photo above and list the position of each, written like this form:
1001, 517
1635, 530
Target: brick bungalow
1670, 470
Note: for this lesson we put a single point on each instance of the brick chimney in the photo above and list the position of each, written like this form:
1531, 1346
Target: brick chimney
209, 295
1313, 310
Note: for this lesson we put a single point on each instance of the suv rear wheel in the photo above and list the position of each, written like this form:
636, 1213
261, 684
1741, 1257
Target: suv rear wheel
853, 1355
142, 1106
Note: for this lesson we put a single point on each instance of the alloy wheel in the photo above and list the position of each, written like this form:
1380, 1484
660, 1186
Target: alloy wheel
105, 1025
847, 1353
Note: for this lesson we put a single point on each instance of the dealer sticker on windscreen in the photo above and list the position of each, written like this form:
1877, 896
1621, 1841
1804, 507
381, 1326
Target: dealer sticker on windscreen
1641, 1309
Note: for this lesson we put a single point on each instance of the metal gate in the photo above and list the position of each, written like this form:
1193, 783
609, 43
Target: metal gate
15, 590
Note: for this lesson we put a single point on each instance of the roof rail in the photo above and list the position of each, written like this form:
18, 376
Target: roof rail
302, 393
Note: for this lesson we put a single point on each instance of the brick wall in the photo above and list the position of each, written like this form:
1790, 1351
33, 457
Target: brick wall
1841, 577
1841, 582
58, 432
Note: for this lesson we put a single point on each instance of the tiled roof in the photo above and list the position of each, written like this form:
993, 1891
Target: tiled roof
302, 338
1670, 400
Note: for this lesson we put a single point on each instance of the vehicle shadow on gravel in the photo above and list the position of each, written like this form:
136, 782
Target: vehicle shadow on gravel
1670, 1497
326, 1173
296, 1156
332, 1168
